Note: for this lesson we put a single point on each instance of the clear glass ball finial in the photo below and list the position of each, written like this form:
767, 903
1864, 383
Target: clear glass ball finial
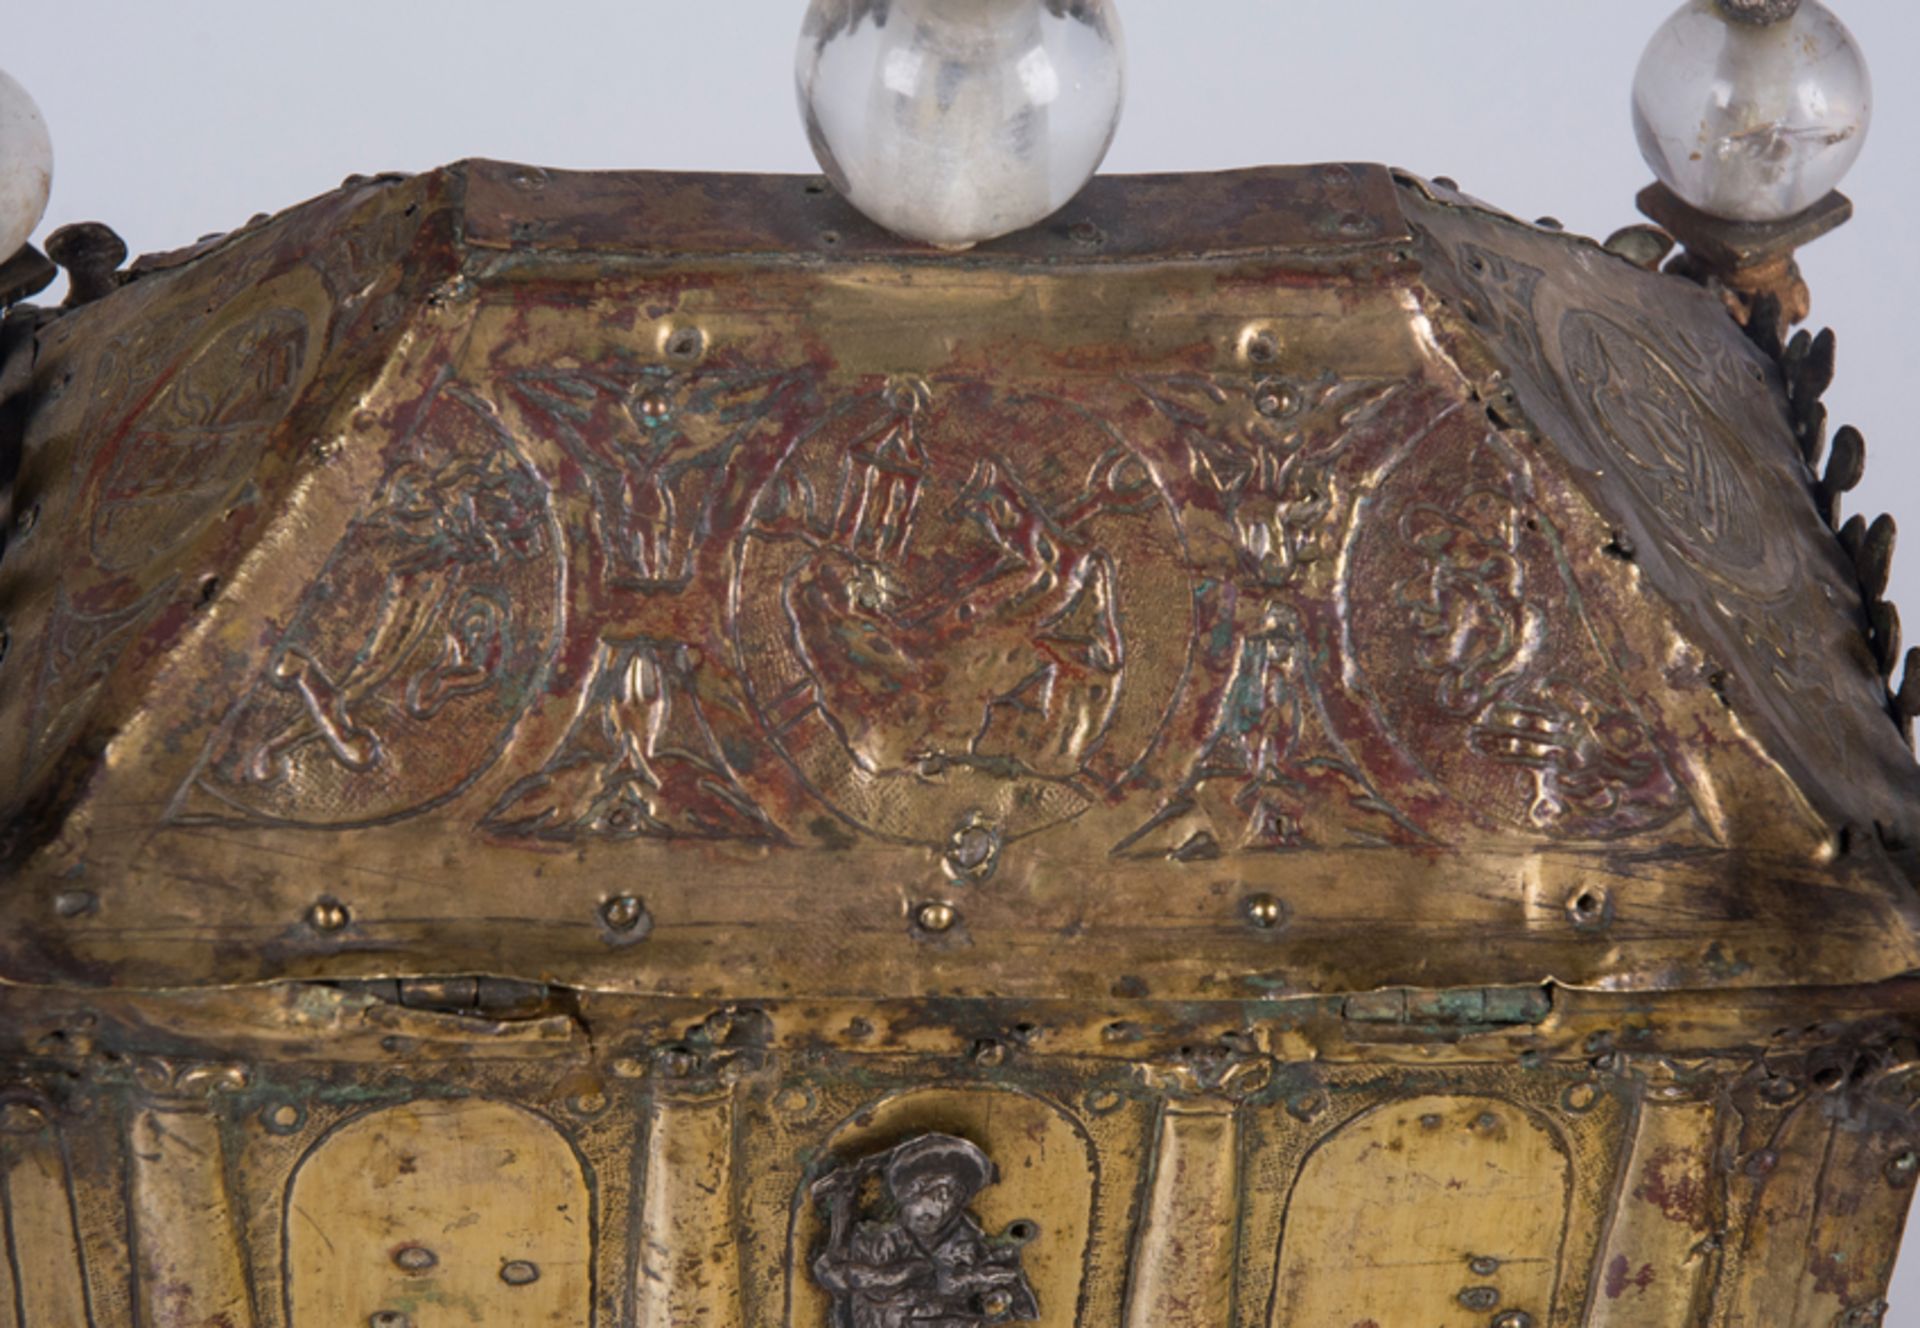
953, 121
1751, 121
26, 166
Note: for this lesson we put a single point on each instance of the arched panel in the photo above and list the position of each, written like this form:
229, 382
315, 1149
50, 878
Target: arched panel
39, 1242
449, 1213
1449, 1209
1043, 1196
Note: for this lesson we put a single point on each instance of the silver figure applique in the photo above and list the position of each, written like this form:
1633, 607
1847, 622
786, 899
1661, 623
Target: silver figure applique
922, 1261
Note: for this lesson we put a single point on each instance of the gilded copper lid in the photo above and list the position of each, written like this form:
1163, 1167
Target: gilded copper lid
1294, 580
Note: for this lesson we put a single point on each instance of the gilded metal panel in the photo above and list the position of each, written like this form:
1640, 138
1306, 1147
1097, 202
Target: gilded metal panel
43, 1283
1375, 1251
437, 1212
1316, 741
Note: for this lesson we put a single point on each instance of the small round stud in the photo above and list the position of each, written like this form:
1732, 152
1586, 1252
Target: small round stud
1265, 911
936, 916
623, 913
414, 1258
75, 903
1308, 1105
973, 851
1275, 399
652, 407
1903, 1167
328, 915
684, 344
1258, 345
519, 1272
1589, 908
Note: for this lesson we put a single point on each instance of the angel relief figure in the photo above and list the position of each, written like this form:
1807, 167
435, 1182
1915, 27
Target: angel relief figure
921, 1259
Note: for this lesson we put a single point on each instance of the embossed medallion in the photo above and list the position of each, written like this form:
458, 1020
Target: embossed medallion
1686, 465
939, 603
409, 661
196, 439
1484, 668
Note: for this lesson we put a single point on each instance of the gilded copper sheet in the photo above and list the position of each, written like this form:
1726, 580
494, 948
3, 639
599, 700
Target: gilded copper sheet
642, 580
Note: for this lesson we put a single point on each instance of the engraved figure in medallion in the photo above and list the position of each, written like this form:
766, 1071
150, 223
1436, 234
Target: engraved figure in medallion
409, 661
925, 1261
932, 624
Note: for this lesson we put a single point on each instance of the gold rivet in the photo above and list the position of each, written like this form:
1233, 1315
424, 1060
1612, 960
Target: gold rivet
1265, 911
1904, 1167
623, 912
1273, 398
75, 903
1258, 344
936, 916
684, 343
652, 406
327, 915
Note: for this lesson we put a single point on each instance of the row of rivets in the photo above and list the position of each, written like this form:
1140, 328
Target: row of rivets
627, 917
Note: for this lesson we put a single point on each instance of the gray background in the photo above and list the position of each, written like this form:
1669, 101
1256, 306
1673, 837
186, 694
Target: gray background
172, 120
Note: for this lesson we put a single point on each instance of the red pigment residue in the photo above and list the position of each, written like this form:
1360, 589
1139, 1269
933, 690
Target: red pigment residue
1673, 1183
1620, 1277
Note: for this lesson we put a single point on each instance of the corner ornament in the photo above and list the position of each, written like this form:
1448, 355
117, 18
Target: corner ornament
902, 1249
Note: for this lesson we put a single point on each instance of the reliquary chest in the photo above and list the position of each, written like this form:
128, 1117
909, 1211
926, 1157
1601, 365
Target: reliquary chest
1282, 750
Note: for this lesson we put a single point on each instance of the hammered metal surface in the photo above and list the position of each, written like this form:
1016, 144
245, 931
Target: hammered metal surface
451, 546
1316, 734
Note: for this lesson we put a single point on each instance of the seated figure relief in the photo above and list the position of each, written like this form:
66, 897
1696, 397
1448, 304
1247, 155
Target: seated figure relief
920, 1258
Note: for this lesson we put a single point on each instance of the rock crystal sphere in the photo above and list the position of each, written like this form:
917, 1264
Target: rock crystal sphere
953, 121
26, 166
1751, 122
